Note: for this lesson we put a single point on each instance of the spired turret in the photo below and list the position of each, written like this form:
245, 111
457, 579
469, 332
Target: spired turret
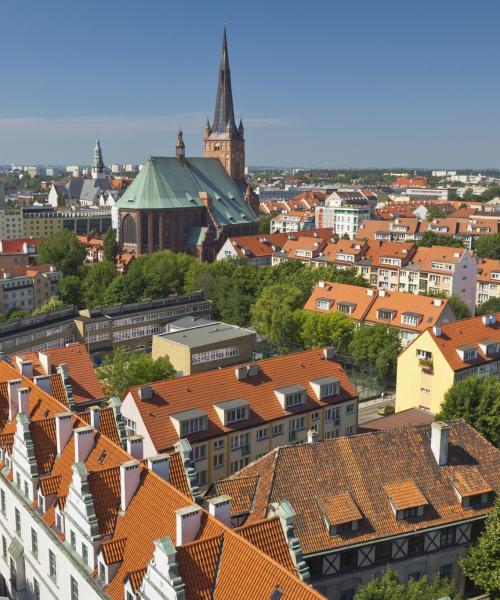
98, 167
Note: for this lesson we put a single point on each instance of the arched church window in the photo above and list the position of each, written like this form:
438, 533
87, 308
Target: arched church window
128, 230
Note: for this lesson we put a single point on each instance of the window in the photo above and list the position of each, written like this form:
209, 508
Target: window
130, 426
349, 409
345, 308
333, 415
74, 588
199, 452
383, 552
193, 426
218, 461
18, 480
329, 389
297, 424
410, 513
237, 414
13, 575
315, 415
211, 355
294, 399
424, 355
2, 501
323, 304
26, 490
18, 522
241, 440
410, 320
385, 315
4, 547
85, 554
445, 571
102, 572
277, 430
261, 434
332, 434
416, 575
447, 537
218, 444
349, 430
415, 544
348, 560
476, 529
34, 543
36, 589
202, 478
52, 566
72, 538
469, 354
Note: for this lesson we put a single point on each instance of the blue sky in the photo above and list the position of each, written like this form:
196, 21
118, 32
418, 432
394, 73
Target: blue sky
323, 83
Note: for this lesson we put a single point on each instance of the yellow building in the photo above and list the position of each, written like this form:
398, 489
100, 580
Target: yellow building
443, 355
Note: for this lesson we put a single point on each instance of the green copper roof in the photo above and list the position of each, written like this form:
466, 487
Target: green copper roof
167, 182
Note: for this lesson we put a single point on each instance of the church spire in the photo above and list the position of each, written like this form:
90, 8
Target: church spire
224, 111
180, 148
98, 167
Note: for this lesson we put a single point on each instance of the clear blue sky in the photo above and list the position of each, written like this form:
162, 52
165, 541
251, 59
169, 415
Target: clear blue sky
318, 83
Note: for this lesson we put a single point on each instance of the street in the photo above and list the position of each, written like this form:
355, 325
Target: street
367, 411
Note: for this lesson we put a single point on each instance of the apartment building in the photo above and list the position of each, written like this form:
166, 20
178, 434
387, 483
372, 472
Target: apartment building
19, 252
11, 224
132, 326
292, 221
196, 345
413, 498
44, 221
408, 313
443, 355
488, 280
28, 287
234, 415
344, 211
75, 515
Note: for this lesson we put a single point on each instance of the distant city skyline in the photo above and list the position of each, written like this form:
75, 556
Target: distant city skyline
348, 86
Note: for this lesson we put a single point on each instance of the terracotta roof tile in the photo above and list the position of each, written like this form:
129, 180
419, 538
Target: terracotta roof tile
468, 481
43, 434
50, 485
177, 474
135, 578
241, 490
198, 563
105, 488
339, 508
113, 550
404, 494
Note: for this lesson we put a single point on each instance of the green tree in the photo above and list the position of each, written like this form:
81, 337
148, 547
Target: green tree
98, 278
345, 236
265, 223
460, 309
378, 345
63, 250
477, 401
121, 370
317, 330
16, 313
273, 315
110, 246
488, 246
53, 303
389, 587
490, 306
482, 561
434, 212
430, 238
70, 290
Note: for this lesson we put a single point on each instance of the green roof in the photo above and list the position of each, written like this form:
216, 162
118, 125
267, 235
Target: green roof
167, 182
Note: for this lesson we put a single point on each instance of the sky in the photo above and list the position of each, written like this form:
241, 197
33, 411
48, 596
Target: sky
326, 83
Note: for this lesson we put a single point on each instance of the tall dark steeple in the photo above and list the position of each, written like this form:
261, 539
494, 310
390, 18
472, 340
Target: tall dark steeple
223, 139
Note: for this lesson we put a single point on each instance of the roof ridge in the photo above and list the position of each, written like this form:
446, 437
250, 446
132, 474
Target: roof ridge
217, 567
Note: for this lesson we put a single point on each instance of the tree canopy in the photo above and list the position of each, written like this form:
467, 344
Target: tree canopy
389, 587
460, 309
317, 330
490, 306
63, 250
488, 246
434, 212
482, 561
477, 401
110, 246
431, 238
53, 303
121, 370
378, 345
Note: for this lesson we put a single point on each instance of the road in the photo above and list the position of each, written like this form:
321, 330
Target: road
367, 411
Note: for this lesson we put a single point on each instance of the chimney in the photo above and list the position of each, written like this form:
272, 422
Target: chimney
489, 319
241, 373
12, 386
437, 302
160, 464
188, 521
381, 293
44, 382
328, 353
129, 482
220, 508
25, 367
63, 370
135, 446
84, 442
64, 429
44, 360
321, 284
436, 330
439, 442
145, 392
206, 199
369, 292
94, 417
312, 436
24, 401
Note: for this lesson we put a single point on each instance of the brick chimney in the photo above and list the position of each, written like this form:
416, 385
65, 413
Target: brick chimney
220, 508
129, 482
135, 446
95, 417
64, 429
439, 442
44, 382
24, 401
188, 521
160, 464
12, 386
84, 442
25, 367
44, 360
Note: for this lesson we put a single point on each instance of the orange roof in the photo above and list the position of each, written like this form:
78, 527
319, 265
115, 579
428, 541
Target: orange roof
257, 246
356, 297
405, 494
203, 390
418, 181
366, 466
424, 257
241, 490
16, 246
485, 269
310, 244
113, 550
468, 481
467, 332
339, 509
198, 562
83, 379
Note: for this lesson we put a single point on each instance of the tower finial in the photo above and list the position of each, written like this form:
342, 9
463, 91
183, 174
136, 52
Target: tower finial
180, 148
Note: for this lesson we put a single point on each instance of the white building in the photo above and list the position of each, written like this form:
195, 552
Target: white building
73, 170
344, 211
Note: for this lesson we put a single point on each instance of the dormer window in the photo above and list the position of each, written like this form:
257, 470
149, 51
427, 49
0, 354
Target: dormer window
406, 500
323, 304
189, 421
232, 411
471, 487
409, 318
489, 347
340, 514
346, 307
291, 396
385, 314
325, 387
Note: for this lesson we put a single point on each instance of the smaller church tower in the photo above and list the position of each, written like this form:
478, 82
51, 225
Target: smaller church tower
98, 168
223, 140
180, 148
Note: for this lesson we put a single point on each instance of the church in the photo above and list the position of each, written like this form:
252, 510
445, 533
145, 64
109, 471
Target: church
192, 204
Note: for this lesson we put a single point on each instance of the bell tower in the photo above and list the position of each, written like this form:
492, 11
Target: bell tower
223, 139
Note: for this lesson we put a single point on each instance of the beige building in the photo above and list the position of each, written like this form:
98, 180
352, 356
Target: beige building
232, 416
11, 223
443, 355
28, 287
488, 280
196, 345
